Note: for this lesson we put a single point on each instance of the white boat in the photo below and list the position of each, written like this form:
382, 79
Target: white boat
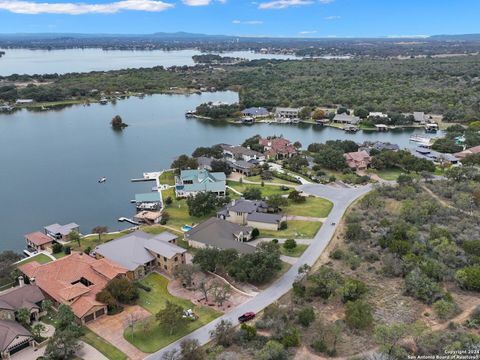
102, 180
422, 140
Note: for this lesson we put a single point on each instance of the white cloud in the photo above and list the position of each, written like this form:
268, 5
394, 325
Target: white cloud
201, 2
308, 32
283, 4
30, 7
334, 17
247, 22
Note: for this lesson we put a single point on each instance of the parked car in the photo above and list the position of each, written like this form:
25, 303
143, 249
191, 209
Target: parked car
246, 317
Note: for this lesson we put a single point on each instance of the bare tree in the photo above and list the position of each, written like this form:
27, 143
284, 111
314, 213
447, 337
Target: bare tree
203, 286
100, 230
185, 273
221, 291
131, 320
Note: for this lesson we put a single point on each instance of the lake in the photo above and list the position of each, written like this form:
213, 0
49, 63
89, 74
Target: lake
51, 161
25, 61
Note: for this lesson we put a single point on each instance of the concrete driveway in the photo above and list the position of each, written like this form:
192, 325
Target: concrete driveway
341, 198
111, 328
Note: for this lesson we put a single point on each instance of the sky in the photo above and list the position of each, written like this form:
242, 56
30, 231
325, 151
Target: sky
279, 18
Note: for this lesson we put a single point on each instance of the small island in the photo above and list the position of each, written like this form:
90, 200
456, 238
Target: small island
2, 53
117, 123
213, 59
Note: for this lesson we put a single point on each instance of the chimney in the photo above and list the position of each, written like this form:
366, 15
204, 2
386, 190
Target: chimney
32, 281
21, 281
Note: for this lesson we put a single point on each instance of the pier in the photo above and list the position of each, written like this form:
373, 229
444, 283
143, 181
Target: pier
125, 219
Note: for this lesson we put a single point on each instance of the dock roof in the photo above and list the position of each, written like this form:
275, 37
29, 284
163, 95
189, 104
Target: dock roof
147, 197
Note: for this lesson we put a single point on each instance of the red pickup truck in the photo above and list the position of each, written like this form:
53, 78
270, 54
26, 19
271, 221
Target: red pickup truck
246, 317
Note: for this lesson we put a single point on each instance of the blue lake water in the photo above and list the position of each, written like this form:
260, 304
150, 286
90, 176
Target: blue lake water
51, 161
25, 61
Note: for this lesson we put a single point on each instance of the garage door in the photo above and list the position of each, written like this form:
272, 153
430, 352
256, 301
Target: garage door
99, 313
88, 318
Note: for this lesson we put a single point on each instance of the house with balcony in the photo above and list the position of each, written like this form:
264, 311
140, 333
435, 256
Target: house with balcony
192, 182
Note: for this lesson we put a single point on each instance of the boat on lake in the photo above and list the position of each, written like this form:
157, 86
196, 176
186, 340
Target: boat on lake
102, 180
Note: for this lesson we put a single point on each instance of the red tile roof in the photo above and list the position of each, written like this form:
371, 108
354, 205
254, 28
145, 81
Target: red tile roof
358, 159
60, 279
277, 146
463, 154
38, 238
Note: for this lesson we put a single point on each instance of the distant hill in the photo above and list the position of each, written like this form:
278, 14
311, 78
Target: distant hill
465, 37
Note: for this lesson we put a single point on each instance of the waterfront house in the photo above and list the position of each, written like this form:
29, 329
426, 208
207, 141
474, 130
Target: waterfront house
191, 182
220, 234
419, 117
374, 114
231, 152
467, 152
346, 119
278, 148
253, 213
38, 241
255, 112
24, 101
286, 113
379, 146
148, 217
246, 168
148, 201
13, 339
435, 156
27, 297
75, 280
140, 253
59, 232
358, 160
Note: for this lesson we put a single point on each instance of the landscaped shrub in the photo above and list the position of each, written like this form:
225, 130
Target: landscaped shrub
358, 314
57, 248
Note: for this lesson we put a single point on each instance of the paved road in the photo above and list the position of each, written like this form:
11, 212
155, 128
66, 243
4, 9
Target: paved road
341, 198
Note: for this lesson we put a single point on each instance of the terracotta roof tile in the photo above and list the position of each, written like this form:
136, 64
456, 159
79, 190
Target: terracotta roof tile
38, 238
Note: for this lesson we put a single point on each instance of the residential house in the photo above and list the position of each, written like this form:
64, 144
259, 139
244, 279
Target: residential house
221, 234
255, 112
346, 119
140, 253
379, 146
75, 280
191, 182
358, 160
278, 148
419, 117
467, 152
28, 297
241, 153
287, 113
38, 241
434, 156
148, 217
377, 115
60, 232
13, 339
246, 168
253, 213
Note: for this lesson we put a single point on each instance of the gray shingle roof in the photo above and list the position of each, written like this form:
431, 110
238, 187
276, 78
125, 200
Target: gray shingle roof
26, 296
134, 250
9, 330
220, 234
265, 218
61, 229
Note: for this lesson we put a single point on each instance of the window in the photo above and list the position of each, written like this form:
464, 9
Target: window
176, 258
165, 267
164, 258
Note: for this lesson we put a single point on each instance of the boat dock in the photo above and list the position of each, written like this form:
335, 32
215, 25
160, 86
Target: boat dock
124, 219
148, 176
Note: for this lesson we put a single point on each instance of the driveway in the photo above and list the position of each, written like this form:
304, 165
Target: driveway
111, 328
341, 198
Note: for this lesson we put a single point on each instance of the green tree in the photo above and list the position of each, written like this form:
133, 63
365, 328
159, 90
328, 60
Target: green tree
74, 236
361, 113
185, 273
37, 330
389, 336
224, 333
184, 162
469, 278
190, 349
358, 314
306, 316
272, 350
353, 289
277, 202
289, 244
204, 203
171, 317
324, 282
117, 123
123, 290
252, 193
23, 316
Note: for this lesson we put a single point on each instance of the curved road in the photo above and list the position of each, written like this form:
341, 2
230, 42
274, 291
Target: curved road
341, 198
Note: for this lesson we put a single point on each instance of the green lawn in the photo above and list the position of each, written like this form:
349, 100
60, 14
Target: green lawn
389, 174
178, 211
92, 241
267, 190
59, 255
153, 336
167, 178
296, 252
313, 206
40, 258
296, 229
101, 345
275, 180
